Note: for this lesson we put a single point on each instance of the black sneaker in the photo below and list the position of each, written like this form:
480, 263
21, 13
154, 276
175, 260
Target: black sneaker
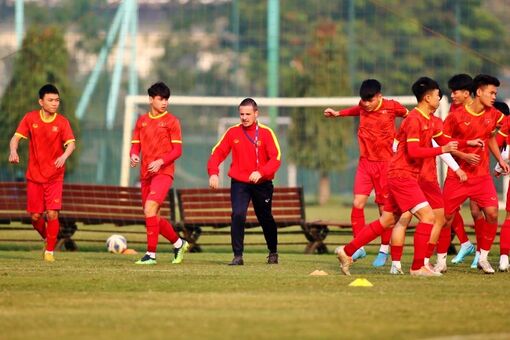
237, 261
272, 258
147, 260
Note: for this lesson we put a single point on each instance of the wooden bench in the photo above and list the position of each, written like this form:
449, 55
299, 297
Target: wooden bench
88, 204
212, 208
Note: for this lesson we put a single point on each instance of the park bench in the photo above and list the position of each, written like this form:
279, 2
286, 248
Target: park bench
88, 204
200, 208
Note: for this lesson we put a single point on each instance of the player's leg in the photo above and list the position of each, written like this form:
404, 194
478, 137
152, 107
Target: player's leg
504, 244
240, 196
35, 206
398, 236
466, 247
53, 204
426, 218
262, 198
362, 188
378, 172
150, 211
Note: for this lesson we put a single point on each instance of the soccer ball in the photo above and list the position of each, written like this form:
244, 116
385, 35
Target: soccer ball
116, 244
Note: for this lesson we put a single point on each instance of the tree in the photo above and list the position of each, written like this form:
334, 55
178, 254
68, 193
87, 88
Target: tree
42, 59
315, 142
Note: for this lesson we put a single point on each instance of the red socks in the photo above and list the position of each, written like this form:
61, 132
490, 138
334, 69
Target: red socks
40, 226
489, 234
52, 229
365, 236
386, 236
458, 228
421, 239
168, 232
396, 252
504, 238
445, 239
479, 231
430, 250
357, 220
152, 225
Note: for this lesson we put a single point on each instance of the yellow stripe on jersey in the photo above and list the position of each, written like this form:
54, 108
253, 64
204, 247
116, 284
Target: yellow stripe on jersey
279, 155
135, 141
500, 118
222, 137
447, 135
151, 116
437, 134
413, 140
20, 135
502, 133
69, 141
176, 141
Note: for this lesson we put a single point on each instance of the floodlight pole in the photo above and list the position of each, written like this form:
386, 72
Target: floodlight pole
19, 22
273, 52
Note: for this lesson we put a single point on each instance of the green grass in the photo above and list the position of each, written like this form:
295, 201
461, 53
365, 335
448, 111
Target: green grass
93, 294
101, 295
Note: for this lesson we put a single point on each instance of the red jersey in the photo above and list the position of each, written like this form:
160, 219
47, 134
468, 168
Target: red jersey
465, 124
420, 128
428, 171
156, 136
253, 149
504, 132
47, 138
377, 128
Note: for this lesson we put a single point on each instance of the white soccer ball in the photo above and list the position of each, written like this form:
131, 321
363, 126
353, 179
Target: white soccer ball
116, 244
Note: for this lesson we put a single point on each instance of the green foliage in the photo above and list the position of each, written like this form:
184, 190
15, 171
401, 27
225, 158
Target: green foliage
43, 59
316, 142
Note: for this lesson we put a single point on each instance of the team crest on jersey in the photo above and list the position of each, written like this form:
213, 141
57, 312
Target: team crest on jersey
236, 141
383, 112
54, 129
56, 200
161, 124
35, 125
144, 124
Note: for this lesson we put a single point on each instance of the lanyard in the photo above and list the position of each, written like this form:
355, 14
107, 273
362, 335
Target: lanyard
254, 141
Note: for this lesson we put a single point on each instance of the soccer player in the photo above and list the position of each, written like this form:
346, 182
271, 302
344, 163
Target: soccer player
376, 133
461, 86
404, 193
503, 139
256, 157
51, 142
157, 134
478, 119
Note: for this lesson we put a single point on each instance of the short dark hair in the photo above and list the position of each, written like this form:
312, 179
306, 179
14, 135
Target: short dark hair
484, 80
424, 85
48, 88
369, 88
159, 89
249, 102
502, 107
461, 82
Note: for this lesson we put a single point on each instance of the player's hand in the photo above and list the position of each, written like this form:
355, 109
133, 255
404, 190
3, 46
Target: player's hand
451, 146
154, 166
462, 175
134, 160
476, 142
214, 181
13, 158
329, 112
59, 162
471, 158
255, 177
504, 166
497, 173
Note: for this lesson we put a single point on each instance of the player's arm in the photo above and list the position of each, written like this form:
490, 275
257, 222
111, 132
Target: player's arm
505, 155
352, 111
134, 152
494, 148
171, 156
69, 146
448, 159
218, 154
13, 148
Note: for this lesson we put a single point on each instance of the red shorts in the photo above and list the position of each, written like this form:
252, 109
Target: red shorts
44, 196
479, 189
403, 195
371, 175
433, 193
156, 188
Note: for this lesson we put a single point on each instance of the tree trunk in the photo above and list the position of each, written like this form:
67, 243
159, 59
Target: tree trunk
324, 188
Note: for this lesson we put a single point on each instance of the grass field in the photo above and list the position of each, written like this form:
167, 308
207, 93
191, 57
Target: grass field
94, 294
